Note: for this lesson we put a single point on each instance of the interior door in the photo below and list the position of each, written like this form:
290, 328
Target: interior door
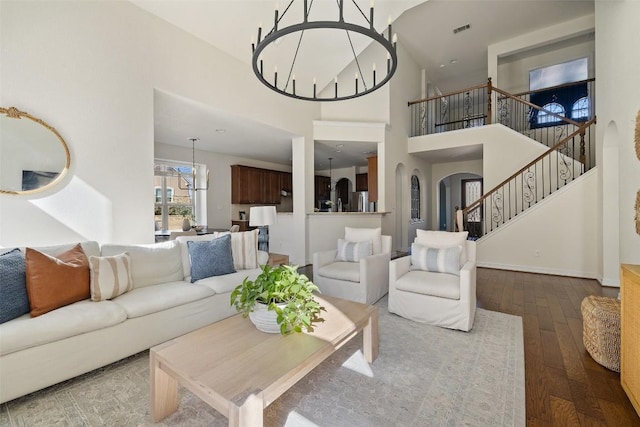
472, 191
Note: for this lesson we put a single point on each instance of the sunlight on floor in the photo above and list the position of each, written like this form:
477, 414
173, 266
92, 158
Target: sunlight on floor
358, 363
296, 420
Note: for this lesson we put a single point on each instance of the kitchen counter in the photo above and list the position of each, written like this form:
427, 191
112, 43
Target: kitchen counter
347, 213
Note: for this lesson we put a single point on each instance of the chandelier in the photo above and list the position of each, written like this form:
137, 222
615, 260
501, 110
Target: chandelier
363, 83
191, 182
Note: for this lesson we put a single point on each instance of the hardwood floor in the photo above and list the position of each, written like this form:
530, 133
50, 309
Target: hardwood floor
564, 385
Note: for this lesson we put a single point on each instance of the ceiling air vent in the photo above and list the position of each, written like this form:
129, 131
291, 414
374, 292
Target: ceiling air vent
464, 27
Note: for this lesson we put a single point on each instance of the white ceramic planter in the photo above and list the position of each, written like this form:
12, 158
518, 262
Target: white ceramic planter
264, 319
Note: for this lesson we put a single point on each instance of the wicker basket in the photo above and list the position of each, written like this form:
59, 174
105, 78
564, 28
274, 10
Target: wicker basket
601, 330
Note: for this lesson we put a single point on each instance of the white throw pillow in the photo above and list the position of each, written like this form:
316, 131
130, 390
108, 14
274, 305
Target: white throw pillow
439, 260
352, 251
110, 276
444, 239
353, 234
244, 248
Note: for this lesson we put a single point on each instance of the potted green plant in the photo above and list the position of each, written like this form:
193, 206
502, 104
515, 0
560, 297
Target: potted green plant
279, 300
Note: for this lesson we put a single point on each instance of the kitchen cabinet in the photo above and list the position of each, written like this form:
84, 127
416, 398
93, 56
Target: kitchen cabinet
362, 182
254, 185
373, 178
323, 189
286, 181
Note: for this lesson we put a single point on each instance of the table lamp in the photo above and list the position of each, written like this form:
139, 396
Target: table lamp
262, 217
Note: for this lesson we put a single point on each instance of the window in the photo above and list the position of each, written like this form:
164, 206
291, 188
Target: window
415, 198
562, 89
580, 109
159, 194
173, 180
554, 107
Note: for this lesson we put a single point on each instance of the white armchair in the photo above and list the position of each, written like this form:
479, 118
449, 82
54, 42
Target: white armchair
434, 298
365, 281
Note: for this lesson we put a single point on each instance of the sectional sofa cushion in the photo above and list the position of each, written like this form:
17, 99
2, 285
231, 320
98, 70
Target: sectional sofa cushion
354, 234
110, 276
151, 264
152, 299
13, 289
90, 248
211, 258
68, 321
228, 282
56, 281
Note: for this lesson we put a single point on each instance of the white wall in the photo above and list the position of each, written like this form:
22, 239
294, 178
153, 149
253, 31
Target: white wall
556, 236
544, 36
89, 69
617, 95
513, 70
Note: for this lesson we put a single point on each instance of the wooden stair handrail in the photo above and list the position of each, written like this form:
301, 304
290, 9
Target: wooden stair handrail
580, 131
469, 89
522, 101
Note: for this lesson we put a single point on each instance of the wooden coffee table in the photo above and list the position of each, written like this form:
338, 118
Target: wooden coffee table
239, 370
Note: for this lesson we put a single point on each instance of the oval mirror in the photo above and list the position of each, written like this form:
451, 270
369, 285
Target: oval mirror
33, 155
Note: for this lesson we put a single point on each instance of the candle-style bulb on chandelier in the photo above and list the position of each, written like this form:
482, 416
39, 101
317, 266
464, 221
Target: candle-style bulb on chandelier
365, 81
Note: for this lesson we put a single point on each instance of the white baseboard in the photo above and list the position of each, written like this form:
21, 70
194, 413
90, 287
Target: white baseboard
540, 270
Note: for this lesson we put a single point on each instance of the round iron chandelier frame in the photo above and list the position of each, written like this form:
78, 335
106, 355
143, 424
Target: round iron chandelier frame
387, 43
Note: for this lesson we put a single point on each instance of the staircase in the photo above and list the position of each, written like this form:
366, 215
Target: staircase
571, 143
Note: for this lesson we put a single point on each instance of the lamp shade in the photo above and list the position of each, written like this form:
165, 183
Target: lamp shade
262, 215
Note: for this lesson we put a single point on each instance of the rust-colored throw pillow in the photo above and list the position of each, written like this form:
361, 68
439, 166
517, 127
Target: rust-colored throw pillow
54, 282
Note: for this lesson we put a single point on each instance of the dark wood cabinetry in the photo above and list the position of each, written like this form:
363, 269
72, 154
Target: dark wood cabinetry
362, 183
323, 188
254, 185
373, 179
286, 181
243, 224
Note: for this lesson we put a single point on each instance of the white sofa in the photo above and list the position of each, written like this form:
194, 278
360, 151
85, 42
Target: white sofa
80, 337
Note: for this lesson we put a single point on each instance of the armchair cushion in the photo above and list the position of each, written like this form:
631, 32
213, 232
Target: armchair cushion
444, 239
353, 234
430, 283
352, 251
347, 271
440, 260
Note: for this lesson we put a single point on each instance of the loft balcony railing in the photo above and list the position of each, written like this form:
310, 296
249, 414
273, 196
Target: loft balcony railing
571, 141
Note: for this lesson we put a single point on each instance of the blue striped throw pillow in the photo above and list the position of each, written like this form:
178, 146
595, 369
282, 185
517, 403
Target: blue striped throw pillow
353, 251
440, 260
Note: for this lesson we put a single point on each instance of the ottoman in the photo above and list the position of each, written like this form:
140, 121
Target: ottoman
601, 330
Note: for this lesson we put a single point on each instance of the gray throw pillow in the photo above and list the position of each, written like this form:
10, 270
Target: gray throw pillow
210, 258
14, 301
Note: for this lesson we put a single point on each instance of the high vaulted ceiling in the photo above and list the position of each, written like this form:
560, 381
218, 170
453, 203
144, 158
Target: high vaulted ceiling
425, 29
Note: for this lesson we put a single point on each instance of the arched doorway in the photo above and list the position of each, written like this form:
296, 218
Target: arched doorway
344, 188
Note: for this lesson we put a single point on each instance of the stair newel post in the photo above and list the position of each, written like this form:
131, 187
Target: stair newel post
489, 89
582, 145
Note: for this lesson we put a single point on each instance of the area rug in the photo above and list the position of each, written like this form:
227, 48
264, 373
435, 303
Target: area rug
424, 376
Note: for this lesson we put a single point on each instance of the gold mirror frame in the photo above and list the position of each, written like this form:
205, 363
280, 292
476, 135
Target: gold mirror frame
14, 113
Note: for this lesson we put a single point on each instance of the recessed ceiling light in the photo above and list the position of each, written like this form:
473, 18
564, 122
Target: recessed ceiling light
442, 65
221, 130
340, 145
453, 61
338, 151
